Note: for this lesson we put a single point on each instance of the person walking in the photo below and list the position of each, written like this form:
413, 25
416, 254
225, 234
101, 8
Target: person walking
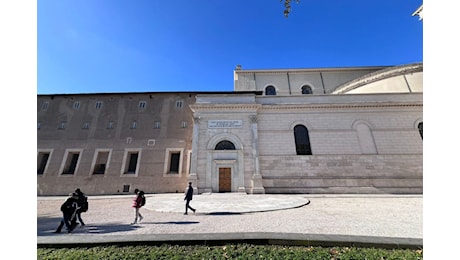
68, 208
188, 198
137, 204
83, 207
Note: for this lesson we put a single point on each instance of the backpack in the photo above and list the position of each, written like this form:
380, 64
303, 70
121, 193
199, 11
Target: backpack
141, 193
84, 204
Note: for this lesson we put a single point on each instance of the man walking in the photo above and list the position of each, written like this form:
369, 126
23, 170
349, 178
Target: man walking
188, 198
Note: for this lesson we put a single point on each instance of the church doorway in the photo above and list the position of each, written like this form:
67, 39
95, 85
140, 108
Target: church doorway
225, 179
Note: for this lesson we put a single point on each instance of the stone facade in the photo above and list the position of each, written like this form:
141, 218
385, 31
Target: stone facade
365, 141
329, 130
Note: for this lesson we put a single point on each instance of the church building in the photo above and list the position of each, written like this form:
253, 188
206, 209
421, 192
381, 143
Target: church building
312, 131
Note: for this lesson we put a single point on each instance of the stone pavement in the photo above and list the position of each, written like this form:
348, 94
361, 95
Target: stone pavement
306, 219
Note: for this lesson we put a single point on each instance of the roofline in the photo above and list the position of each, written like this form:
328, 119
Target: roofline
147, 93
314, 69
377, 76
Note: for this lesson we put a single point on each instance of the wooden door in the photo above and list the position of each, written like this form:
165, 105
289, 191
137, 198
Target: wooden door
225, 179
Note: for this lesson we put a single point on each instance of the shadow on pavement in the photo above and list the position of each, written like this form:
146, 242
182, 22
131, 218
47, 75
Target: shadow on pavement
47, 225
173, 222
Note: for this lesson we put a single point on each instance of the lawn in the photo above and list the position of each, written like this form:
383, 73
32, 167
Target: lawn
230, 251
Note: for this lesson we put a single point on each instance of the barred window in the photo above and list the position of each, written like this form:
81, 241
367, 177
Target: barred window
302, 140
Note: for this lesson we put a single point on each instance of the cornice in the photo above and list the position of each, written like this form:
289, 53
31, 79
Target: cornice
285, 107
341, 106
215, 107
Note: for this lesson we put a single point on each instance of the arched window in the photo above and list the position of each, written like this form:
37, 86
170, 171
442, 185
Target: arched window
302, 140
225, 145
420, 129
270, 91
366, 139
306, 90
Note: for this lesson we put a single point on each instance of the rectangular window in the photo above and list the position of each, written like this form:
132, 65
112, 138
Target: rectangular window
133, 125
126, 188
101, 161
71, 162
142, 104
42, 162
98, 104
45, 105
61, 125
157, 125
85, 125
184, 124
179, 103
110, 125
131, 162
39, 125
173, 162
76, 105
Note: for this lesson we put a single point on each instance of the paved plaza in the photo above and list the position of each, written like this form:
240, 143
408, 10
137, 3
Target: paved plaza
380, 220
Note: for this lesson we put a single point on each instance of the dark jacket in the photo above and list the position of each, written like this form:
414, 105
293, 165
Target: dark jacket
189, 194
69, 206
81, 201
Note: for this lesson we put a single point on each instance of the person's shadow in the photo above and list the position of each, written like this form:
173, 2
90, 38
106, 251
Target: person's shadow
47, 225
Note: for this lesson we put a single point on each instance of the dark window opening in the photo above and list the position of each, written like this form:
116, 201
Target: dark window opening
132, 162
302, 140
306, 90
225, 145
125, 188
420, 129
42, 161
101, 162
72, 165
174, 163
270, 91
99, 169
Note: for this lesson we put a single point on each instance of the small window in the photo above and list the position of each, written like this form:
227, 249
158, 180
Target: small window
270, 91
306, 90
98, 104
76, 105
39, 125
85, 125
184, 124
110, 125
125, 188
61, 125
45, 105
142, 104
157, 125
133, 125
179, 103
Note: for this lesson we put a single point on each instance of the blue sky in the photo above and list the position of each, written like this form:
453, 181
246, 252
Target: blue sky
90, 46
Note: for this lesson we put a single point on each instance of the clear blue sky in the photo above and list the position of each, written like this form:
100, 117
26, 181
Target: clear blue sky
91, 46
